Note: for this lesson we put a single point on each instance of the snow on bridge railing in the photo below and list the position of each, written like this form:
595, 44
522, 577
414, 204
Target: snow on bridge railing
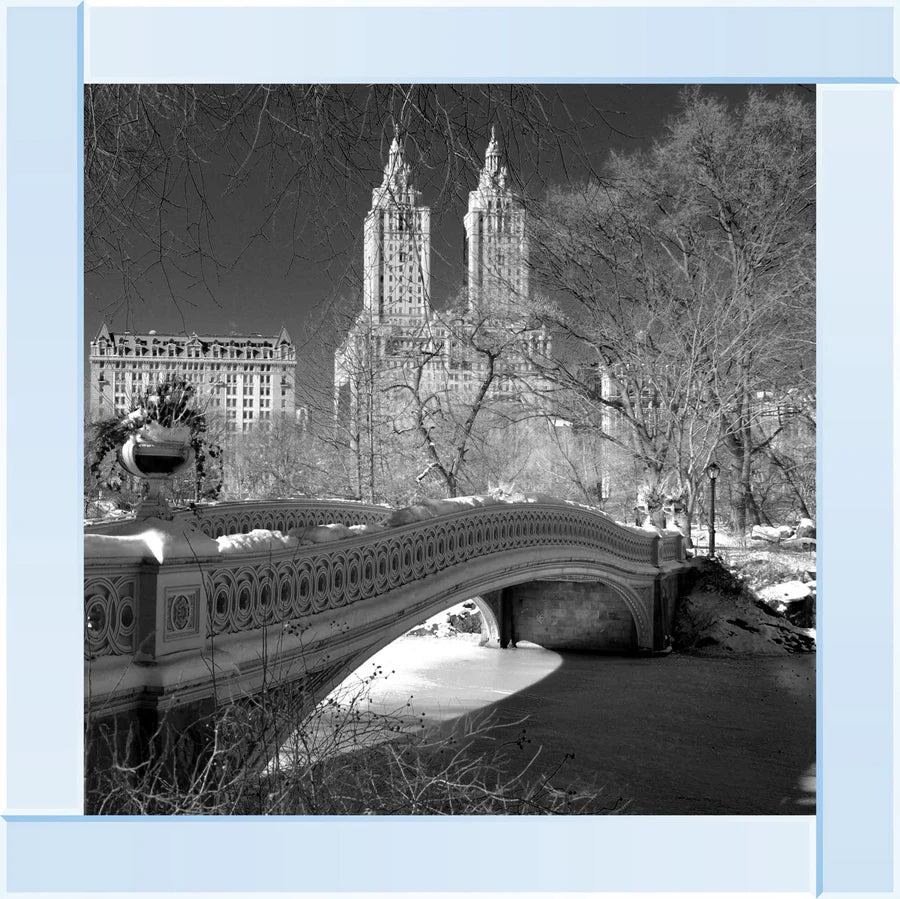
218, 519
246, 582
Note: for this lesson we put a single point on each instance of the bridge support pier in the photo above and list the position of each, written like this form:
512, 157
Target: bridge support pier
498, 618
666, 590
506, 618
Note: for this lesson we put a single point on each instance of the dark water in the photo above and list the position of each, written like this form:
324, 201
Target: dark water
671, 735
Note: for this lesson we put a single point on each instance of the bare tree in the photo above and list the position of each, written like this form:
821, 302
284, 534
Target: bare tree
161, 159
748, 176
276, 459
467, 382
684, 282
635, 343
698, 250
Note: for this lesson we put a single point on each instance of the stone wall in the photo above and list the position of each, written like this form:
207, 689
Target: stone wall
587, 615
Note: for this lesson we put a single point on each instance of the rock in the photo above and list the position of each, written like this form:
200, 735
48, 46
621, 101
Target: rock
792, 599
770, 534
718, 622
805, 616
788, 592
799, 543
806, 528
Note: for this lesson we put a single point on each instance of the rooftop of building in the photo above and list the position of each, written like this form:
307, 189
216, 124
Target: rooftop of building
152, 336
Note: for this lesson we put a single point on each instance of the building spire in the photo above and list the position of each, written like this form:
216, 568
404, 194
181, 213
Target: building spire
396, 149
396, 170
494, 173
492, 154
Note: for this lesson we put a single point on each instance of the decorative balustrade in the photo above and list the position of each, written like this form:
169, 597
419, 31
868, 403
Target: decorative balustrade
671, 548
248, 590
282, 515
277, 515
110, 608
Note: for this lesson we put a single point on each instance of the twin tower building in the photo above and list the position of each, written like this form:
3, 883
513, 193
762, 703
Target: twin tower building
398, 337
398, 340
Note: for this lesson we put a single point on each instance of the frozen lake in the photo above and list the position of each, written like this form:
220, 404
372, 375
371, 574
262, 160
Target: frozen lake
678, 734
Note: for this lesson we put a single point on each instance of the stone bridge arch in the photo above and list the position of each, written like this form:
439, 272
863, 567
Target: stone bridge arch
636, 598
405, 612
202, 624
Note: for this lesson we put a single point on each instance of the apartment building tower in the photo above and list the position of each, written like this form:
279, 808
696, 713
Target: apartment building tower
399, 337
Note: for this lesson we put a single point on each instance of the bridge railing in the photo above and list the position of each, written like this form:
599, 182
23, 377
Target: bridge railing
112, 591
281, 515
217, 519
155, 609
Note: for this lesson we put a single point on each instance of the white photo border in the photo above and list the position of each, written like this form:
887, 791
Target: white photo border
50, 846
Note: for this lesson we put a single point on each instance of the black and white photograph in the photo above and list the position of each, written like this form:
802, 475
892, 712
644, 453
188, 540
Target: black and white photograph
449, 449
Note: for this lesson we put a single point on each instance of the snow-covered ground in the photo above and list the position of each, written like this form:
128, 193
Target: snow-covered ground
440, 625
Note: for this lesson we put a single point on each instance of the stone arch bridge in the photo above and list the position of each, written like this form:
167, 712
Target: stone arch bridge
173, 623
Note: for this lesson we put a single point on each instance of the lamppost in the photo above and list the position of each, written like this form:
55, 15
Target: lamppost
712, 471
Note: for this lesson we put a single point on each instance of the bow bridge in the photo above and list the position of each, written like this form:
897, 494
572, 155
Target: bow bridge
174, 621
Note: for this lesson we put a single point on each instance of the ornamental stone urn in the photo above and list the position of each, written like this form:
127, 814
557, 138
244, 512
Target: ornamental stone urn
156, 453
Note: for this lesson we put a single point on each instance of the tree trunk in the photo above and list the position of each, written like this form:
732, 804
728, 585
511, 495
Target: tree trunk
371, 448
743, 502
357, 451
684, 518
791, 482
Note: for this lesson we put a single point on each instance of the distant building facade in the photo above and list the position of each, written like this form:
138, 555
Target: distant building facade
245, 379
397, 248
496, 243
399, 345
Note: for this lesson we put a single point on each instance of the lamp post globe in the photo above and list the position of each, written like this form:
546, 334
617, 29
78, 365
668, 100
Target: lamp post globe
712, 472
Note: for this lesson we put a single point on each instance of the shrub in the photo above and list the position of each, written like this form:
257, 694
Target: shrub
341, 759
467, 622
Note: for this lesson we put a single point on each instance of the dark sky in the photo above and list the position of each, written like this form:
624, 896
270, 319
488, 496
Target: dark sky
280, 279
